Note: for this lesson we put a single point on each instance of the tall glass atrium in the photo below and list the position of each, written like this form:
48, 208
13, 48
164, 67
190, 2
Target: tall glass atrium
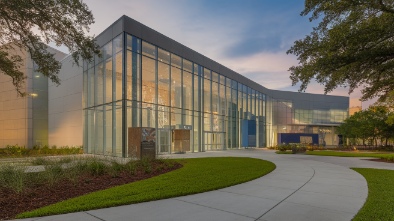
150, 82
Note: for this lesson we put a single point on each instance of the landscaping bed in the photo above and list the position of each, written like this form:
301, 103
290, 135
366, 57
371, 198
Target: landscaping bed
55, 185
384, 156
381, 160
196, 176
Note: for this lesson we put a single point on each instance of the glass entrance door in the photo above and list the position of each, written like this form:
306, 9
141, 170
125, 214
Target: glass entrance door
164, 141
214, 141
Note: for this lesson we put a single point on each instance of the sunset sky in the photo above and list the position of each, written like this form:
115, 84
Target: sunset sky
249, 36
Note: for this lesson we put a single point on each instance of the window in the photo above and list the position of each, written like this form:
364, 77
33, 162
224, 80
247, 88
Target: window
164, 56
148, 50
176, 61
176, 87
148, 80
133, 44
187, 90
163, 84
187, 66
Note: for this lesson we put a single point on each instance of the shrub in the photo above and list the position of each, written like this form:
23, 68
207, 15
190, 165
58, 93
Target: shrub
21, 151
298, 148
41, 161
53, 173
146, 164
170, 163
283, 147
96, 167
388, 158
131, 167
12, 177
65, 160
115, 168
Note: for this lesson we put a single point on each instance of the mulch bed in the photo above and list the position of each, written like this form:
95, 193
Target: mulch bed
380, 160
12, 203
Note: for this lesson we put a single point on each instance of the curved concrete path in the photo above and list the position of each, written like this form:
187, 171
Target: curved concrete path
301, 187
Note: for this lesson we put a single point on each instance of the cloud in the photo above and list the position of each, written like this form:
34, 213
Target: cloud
249, 37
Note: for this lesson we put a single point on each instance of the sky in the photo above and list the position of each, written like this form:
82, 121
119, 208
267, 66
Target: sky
250, 37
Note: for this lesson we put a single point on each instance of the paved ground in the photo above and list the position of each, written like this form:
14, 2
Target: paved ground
302, 187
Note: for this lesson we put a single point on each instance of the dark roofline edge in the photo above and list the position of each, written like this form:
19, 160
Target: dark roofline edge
136, 28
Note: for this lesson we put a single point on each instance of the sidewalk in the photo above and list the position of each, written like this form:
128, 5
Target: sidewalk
302, 187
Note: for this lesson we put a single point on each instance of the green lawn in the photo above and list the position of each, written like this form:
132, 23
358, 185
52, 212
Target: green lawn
349, 154
196, 176
380, 201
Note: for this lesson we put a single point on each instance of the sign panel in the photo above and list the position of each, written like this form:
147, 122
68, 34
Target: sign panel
148, 142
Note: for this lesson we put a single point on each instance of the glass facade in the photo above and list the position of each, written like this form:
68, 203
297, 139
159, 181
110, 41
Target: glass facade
137, 84
311, 118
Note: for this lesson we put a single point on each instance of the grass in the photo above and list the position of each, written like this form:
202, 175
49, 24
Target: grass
350, 154
196, 176
380, 201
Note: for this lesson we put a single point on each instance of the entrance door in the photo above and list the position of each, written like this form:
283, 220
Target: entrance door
181, 140
214, 140
164, 141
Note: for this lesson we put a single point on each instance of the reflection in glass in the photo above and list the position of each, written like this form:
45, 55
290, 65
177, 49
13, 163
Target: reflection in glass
100, 84
187, 90
117, 44
187, 65
148, 80
163, 84
133, 44
207, 95
176, 61
164, 56
176, 87
108, 80
118, 75
148, 50
215, 98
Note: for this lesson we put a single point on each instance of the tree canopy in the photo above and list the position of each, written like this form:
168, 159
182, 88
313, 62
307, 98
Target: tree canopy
370, 124
388, 102
352, 46
31, 24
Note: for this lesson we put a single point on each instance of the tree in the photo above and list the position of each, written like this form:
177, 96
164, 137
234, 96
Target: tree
388, 102
29, 24
352, 46
370, 124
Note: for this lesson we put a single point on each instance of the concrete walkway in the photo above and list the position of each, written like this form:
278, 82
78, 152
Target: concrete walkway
302, 187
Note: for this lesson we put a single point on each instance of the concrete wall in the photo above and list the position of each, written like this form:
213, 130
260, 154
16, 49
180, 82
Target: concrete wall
23, 120
65, 126
15, 114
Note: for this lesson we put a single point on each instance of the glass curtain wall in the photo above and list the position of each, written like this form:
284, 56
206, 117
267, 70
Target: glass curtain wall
314, 117
137, 84
102, 98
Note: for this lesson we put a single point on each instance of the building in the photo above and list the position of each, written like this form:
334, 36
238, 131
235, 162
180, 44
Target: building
191, 103
24, 120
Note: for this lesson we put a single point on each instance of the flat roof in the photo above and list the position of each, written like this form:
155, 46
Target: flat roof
139, 30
